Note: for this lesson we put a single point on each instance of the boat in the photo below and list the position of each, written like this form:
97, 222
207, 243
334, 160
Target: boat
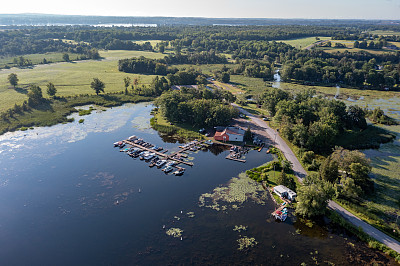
132, 137
209, 142
148, 156
180, 171
167, 169
160, 163
116, 144
171, 163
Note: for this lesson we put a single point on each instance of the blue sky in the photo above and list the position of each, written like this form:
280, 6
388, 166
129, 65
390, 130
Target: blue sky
339, 9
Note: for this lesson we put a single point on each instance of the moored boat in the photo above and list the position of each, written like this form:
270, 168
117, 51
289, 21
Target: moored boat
167, 169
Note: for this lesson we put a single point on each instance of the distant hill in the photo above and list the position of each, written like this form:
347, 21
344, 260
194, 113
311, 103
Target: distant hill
47, 19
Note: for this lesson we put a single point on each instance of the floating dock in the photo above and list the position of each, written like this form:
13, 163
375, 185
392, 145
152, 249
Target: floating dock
163, 154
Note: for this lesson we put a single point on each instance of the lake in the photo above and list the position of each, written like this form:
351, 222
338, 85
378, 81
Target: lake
59, 188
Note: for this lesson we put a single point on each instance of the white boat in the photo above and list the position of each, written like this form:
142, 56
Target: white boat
171, 163
148, 156
160, 163
180, 171
168, 169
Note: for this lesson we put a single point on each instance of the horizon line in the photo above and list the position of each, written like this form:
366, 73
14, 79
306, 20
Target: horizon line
201, 17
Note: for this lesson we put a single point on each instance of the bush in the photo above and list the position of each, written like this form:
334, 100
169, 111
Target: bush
308, 157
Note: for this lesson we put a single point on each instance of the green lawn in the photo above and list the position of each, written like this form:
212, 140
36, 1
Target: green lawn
71, 78
302, 43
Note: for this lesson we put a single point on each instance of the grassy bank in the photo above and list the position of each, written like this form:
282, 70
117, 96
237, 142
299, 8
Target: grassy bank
54, 111
160, 124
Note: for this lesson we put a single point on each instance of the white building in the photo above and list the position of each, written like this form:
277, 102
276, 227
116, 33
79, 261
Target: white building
285, 192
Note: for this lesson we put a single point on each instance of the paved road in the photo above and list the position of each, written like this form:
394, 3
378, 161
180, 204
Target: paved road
274, 137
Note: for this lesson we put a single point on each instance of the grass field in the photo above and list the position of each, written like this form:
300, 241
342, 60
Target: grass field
71, 78
302, 43
353, 50
37, 58
385, 33
250, 85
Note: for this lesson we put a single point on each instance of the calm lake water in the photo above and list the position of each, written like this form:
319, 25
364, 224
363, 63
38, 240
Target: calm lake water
59, 187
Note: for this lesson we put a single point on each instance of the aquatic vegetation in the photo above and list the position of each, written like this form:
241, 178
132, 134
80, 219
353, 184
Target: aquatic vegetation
240, 228
81, 121
83, 112
238, 190
177, 218
246, 242
175, 232
141, 123
190, 214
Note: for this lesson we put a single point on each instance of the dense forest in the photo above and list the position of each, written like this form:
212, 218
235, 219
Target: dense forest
198, 107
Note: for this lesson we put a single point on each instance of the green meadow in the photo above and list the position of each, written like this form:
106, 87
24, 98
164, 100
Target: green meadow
36, 58
302, 43
71, 78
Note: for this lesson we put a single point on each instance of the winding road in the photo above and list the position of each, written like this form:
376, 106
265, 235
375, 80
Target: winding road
273, 136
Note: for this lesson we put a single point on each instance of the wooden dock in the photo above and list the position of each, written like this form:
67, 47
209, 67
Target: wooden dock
161, 154
279, 209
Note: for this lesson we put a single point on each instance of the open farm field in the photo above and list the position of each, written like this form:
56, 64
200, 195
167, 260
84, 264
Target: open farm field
385, 32
37, 58
250, 85
71, 78
302, 43
353, 50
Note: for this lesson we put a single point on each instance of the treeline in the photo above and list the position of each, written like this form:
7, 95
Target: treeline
19, 43
198, 107
128, 45
144, 65
359, 70
196, 38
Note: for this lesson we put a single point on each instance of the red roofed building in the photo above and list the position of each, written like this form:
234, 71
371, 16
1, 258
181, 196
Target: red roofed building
230, 134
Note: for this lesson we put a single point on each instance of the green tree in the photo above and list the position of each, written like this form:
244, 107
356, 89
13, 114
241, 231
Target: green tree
308, 157
247, 135
329, 170
161, 48
13, 79
225, 77
348, 189
127, 82
51, 89
313, 196
97, 85
65, 57
35, 95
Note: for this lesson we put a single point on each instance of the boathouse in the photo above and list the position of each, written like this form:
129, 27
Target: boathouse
230, 134
285, 192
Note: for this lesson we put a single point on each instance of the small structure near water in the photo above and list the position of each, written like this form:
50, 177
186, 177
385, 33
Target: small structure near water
285, 192
229, 134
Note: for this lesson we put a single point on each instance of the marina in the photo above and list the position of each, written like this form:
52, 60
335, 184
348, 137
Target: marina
157, 156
